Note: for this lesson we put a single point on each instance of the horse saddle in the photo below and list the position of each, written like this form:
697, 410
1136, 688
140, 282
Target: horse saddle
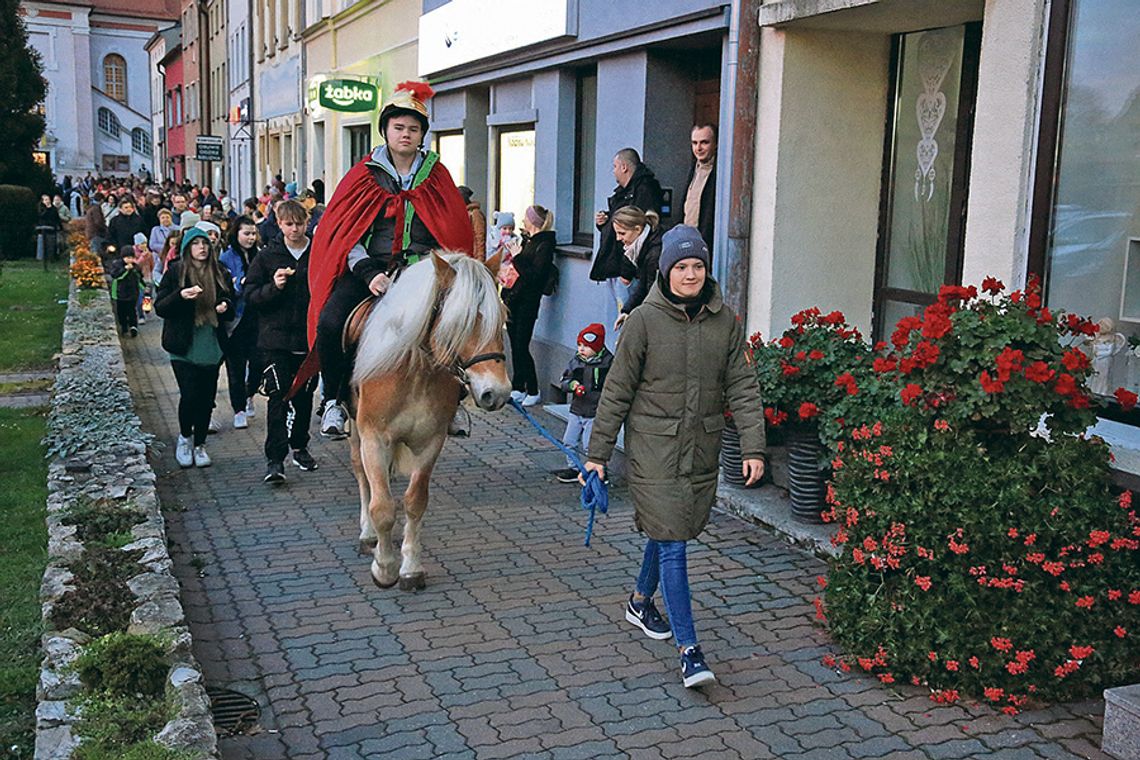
354, 325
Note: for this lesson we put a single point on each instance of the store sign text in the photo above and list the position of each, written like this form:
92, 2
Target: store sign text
348, 95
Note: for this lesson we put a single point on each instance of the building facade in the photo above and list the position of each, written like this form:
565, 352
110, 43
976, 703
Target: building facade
239, 103
277, 86
98, 108
216, 63
193, 49
359, 52
534, 113
174, 111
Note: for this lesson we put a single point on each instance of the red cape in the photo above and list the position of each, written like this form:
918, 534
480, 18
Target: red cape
357, 202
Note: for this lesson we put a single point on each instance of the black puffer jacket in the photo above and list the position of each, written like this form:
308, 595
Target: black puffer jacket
178, 313
282, 313
534, 264
647, 260
643, 191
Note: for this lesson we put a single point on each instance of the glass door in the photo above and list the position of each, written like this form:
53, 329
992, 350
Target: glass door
515, 172
926, 169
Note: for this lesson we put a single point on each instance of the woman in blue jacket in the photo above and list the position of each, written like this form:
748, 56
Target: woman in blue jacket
243, 371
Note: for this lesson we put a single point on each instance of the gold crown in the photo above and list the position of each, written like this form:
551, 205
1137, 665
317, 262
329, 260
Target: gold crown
412, 96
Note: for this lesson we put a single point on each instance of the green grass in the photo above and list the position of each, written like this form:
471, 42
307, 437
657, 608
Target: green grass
23, 555
31, 317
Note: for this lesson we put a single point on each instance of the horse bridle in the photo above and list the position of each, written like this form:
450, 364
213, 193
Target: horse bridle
459, 369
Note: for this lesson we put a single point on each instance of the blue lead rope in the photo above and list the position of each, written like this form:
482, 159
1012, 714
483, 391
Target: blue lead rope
594, 497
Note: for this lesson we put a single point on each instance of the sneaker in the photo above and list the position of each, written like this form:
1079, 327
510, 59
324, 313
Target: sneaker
201, 458
566, 475
134, 332
250, 411
518, 396
304, 460
184, 452
694, 671
274, 473
214, 426
142, 319
531, 400
646, 617
240, 421
334, 421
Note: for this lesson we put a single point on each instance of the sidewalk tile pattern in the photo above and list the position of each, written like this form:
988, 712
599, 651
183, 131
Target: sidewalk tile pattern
518, 646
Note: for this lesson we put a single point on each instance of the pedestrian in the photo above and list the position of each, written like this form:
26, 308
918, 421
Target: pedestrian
700, 193
194, 299
242, 368
48, 226
277, 286
535, 266
639, 233
122, 229
393, 208
151, 208
161, 231
478, 221
680, 359
95, 227
179, 204
144, 263
636, 186
584, 379
502, 239
168, 254
62, 209
126, 288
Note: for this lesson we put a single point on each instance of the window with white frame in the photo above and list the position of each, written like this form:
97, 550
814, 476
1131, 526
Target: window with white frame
140, 141
109, 123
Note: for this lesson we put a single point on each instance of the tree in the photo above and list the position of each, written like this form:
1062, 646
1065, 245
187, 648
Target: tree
24, 88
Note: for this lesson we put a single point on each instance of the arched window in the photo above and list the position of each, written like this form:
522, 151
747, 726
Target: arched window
109, 122
140, 141
115, 77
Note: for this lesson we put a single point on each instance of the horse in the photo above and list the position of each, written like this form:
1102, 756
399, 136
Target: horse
438, 330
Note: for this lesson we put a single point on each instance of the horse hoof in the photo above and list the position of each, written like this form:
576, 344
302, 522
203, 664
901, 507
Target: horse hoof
412, 582
380, 583
366, 546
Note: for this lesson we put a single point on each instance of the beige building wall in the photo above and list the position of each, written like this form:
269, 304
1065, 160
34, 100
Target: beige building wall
819, 146
373, 38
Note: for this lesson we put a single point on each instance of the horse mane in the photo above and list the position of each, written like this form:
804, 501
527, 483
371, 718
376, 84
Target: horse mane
396, 336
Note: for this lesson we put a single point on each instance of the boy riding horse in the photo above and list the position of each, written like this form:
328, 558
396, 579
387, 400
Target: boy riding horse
391, 209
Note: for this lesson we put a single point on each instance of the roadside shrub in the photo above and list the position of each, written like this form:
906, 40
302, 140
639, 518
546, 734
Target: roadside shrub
124, 664
17, 222
102, 520
982, 556
101, 601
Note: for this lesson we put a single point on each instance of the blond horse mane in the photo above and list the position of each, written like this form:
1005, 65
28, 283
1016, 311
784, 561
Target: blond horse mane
396, 336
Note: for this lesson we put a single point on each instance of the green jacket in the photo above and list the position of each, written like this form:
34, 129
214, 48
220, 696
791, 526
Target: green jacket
670, 383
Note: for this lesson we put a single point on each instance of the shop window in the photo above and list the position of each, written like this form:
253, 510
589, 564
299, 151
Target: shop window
109, 123
922, 215
514, 175
450, 147
585, 158
115, 77
140, 141
1086, 243
359, 142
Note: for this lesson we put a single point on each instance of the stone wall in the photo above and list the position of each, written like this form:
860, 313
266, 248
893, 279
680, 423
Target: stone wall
98, 450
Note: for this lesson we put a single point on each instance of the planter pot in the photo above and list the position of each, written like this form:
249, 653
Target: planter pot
808, 473
731, 459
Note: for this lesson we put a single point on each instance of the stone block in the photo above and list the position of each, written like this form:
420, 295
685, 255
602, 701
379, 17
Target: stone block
1122, 722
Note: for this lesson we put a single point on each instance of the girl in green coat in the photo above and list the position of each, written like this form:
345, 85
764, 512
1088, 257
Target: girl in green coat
679, 364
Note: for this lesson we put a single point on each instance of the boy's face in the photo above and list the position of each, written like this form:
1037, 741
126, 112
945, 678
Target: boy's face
293, 230
586, 352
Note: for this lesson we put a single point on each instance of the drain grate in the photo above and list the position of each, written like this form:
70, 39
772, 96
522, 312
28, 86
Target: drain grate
233, 712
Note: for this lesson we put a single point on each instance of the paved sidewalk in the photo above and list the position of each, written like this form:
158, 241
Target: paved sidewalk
518, 646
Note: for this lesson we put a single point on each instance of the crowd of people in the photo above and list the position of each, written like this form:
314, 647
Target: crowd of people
265, 288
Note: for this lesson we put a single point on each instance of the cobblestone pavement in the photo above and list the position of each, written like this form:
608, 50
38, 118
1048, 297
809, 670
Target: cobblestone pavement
518, 646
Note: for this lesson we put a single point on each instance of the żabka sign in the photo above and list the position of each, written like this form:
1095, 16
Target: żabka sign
348, 95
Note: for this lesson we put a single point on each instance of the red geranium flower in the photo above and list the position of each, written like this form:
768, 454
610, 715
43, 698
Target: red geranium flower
808, 410
990, 385
786, 342
1075, 359
847, 380
884, 364
1039, 372
911, 392
773, 417
993, 285
1066, 384
1126, 398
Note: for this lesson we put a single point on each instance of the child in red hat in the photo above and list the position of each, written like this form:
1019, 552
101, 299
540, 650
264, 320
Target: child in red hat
583, 379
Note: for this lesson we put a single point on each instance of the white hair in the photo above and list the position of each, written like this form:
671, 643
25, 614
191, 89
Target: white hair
415, 326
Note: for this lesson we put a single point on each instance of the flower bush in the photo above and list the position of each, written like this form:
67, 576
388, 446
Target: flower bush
86, 269
985, 551
806, 371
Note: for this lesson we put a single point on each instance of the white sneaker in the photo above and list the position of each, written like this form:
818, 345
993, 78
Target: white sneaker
531, 400
250, 411
201, 458
518, 396
334, 421
240, 421
184, 452
215, 426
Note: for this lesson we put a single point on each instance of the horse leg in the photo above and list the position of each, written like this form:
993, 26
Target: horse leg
415, 504
367, 530
376, 460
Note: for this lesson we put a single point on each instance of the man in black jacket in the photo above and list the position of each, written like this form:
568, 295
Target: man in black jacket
127, 223
637, 186
700, 195
277, 285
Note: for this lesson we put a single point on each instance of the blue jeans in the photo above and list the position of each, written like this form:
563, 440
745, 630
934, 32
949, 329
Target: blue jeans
664, 562
577, 435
